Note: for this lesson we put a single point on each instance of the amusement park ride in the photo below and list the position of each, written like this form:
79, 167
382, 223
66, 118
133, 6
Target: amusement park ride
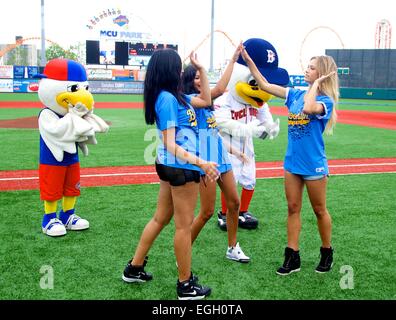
18, 42
383, 35
312, 31
208, 37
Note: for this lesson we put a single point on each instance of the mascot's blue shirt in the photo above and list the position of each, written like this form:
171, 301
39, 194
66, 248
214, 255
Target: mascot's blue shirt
46, 156
305, 153
171, 114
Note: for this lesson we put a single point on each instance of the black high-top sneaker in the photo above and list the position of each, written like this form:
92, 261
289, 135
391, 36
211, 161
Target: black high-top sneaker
191, 289
326, 260
222, 221
247, 220
291, 264
136, 273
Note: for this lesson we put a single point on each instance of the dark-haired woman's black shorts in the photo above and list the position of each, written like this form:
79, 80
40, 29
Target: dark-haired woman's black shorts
176, 176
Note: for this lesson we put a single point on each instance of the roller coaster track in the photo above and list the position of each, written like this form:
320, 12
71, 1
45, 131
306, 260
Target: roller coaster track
208, 37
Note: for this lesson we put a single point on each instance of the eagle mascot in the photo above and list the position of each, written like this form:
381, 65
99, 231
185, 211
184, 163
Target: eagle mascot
66, 122
242, 114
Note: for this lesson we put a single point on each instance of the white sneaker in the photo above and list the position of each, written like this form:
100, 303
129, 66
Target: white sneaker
76, 223
54, 228
236, 254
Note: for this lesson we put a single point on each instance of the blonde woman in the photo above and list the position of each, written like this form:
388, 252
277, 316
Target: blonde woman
311, 113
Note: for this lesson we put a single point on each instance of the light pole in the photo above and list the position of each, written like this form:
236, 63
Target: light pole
211, 38
43, 58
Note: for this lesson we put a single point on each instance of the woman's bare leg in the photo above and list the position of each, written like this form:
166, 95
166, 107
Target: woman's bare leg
317, 195
228, 187
184, 201
294, 186
161, 218
207, 193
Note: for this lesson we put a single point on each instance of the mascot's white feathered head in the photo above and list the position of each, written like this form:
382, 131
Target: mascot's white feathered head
243, 87
63, 84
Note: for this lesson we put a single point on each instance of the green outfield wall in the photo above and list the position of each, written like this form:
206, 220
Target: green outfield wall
367, 93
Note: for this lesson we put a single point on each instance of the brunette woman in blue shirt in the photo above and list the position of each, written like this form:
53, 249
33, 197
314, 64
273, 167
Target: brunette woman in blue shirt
177, 166
311, 113
211, 148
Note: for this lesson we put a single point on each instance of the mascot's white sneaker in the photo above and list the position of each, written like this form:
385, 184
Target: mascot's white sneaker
76, 223
54, 228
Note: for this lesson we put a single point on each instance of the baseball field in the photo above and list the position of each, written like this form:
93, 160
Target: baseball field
119, 195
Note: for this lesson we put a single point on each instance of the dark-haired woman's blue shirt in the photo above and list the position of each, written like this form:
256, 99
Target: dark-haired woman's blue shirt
211, 147
171, 114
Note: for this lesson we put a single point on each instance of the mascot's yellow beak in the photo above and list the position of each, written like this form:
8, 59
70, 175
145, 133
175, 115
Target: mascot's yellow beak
252, 94
83, 96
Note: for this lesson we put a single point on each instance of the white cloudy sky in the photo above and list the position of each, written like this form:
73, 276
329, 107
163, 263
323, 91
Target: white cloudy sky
285, 23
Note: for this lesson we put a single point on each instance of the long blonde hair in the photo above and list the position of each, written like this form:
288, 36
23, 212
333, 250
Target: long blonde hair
329, 86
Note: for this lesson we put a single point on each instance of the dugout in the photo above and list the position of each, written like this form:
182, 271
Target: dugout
366, 73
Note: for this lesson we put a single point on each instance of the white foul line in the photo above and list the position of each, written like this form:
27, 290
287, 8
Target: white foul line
257, 169
341, 165
88, 175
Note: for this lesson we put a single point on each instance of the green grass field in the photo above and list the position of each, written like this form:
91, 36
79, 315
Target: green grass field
88, 265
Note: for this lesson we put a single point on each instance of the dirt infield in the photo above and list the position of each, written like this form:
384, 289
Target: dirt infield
38, 105
24, 123
384, 120
20, 123
112, 176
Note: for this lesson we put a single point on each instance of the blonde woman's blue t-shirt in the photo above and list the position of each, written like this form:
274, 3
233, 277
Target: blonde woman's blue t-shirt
305, 153
171, 114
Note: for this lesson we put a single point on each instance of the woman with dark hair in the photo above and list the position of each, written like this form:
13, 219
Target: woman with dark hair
212, 149
177, 166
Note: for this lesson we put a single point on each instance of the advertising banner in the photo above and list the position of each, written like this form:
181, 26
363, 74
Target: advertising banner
25, 86
6, 85
31, 71
99, 74
19, 72
6, 72
122, 74
297, 81
132, 87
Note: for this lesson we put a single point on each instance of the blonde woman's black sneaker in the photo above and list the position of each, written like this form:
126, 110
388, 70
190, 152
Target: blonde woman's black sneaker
326, 260
291, 264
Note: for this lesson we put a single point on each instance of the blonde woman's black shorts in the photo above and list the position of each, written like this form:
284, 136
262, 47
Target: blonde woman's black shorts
176, 176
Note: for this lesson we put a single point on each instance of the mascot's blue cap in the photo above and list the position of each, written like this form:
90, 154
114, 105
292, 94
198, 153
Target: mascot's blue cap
265, 57
64, 70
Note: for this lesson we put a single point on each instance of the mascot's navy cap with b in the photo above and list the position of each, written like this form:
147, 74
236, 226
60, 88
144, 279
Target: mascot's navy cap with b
265, 57
64, 70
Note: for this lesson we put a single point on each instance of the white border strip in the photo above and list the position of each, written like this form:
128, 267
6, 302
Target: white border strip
257, 169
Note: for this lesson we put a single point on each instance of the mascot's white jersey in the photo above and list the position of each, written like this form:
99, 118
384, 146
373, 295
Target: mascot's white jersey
236, 121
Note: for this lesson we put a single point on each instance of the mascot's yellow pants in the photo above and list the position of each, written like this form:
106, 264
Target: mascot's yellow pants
68, 203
